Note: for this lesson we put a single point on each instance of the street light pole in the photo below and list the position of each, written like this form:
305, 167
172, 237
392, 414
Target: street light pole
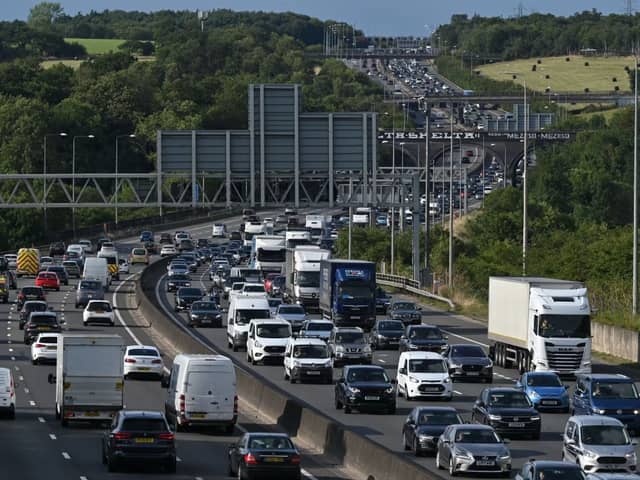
635, 188
73, 178
131, 135
450, 279
524, 186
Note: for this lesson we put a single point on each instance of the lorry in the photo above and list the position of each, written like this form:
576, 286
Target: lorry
348, 292
540, 324
302, 274
295, 236
268, 253
89, 377
251, 229
315, 225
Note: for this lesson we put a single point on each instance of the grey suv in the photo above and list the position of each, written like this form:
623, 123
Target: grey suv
88, 290
349, 345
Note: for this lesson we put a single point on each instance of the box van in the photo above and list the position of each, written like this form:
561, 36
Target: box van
267, 340
243, 309
7, 393
97, 269
112, 262
201, 391
423, 374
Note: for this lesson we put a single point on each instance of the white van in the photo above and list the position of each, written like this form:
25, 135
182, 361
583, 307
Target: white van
423, 374
201, 391
308, 359
267, 340
7, 393
97, 269
243, 309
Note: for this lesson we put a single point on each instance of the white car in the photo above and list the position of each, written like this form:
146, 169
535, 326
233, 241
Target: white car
167, 250
98, 311
218, 230
45, 261
86, 245
143, 360
423, 374
45, 348
12, 260
123, 266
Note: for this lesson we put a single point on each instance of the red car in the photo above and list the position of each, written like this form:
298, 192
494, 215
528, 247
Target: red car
268, 281
48, 280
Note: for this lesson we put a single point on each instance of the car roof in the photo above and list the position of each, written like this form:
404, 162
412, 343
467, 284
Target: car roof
504, 389
423, 325
141, 413
131, 347
363, 367
595, 420
348, 329
472, 426
435, 409
541, 374
554, 463
319, 320
307, 341
268, 434
425, 355
610, 377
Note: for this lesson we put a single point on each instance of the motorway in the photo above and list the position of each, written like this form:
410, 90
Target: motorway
35, 446
382, 428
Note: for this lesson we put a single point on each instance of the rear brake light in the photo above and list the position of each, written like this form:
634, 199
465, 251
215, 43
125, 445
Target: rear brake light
39, 345
295, 459
121, 436
129, 360
249, 459
182, 404
166, 436
156, 361
235, 404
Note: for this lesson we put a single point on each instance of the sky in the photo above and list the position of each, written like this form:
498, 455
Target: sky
374, 17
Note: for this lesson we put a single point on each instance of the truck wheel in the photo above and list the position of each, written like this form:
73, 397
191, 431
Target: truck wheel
235, 347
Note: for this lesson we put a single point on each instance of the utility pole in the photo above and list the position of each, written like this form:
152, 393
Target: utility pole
524, 186
450, 279
635, 186
426, 190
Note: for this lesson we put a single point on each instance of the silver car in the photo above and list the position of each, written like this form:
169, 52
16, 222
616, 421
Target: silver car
348, 345
294, 314
88, 290
472, 449
598, 444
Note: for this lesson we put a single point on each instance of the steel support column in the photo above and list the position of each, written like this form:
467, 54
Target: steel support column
374, 163
296, 143
262, 152
331, 170
252, 148
194, 179
227, 159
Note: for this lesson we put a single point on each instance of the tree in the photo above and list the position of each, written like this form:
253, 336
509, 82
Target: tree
44, 15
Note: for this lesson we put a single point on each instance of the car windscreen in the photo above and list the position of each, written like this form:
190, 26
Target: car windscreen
48, 339
139, 251
264, 442
435, 417
31, 290
619, 390
310, 351
43, 319
99, 307
543, 381
404, 306
35, 307
427, 365
509, 400
142, 352
291, 310
253, 288
90, 285
349, 337
604, 435
425, 334
320, 326
367, 375
558, 473
204, 307
389, 326
190, 292
144, 425
476, 436
243, 317
467, 351
273, 331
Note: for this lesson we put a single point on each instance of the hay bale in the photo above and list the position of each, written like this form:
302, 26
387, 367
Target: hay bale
586, 90
567, 59
533, 67
616, 88
614, 79
539, 61
514, 76
547, 76
586, 64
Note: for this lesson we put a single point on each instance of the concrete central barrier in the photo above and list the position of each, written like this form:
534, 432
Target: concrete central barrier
362, 456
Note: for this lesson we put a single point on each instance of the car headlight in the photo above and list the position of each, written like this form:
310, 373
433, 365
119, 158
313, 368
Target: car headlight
414, 380
534, 394
598, 411
413, 346
425, 438
505, 456
354, 390
490, 365
257, 344
589, 454
389, 390
636, 412
495, 417
535, 418
463, 454
455, 365
631, 456
446, 380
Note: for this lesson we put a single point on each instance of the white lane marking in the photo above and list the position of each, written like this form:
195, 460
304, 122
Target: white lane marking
381, 360
466, 338
13, 359
32, 403
41, 420
502, 376
17, 368
457, 392
307, 474
52, 436
21, 378
8, 334
199, 478
66, 456
82, 477
11, 349
26, 390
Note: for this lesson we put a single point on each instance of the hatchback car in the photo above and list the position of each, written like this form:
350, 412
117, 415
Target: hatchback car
386, 334
469, 362
316, 329
143, 360
28, 307
264, 455
88, 290
98, 311
205, 314
349, 345
423, 337
508, 410
30, 293
57, 248
72, 268
424, 425
167, 250
48, 280
545, 390
146, 236
365, 387
40, 322
185, 296
45, 348
294, 314
407, 312
598, 443
472, 449
139, 255
139, 436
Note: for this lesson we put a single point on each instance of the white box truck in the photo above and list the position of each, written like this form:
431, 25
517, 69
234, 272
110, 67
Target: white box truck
540, 324
251, 229
302, 272
89, 377
297, 236
97, 269
268, 253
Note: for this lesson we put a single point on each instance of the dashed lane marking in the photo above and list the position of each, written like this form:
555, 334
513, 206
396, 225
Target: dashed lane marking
66, 456
382, 360
466, 338
457, 392
82, 477
307, 474
32, 403
52, 436
26, 390
41, 420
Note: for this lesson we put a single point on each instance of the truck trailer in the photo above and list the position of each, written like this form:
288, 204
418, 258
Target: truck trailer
302, 274
540, 324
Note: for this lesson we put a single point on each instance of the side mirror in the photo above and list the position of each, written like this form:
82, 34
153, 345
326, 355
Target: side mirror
479, 403
51, 378
164, 382
445, 337
402, 371
393, 381
519, 385
506, 440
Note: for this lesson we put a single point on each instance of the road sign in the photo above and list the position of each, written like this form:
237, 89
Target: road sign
420, 136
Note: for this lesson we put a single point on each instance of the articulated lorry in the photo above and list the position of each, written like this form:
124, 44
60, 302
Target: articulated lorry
348, 292
295, 236
268, 253
540, 324
251, 229
302, 274
89, 377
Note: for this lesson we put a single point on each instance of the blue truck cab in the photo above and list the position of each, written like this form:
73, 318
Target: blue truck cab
348, 292
613, 395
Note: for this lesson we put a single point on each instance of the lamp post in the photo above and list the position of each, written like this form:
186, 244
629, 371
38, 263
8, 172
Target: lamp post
402, 189
73, 178
44, 173
131, 135
635, 187
524, 184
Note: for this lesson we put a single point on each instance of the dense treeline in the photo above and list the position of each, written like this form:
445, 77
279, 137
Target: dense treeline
539, 34
198, 79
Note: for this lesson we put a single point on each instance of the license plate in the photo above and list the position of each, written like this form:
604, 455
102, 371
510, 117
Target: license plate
516, 424
144, 440
485, 463
91, 414
144, 369
99, 312
371, 398
274, 459
197, 415
43, 328
473, 374
431, 389
549, 402
313, 372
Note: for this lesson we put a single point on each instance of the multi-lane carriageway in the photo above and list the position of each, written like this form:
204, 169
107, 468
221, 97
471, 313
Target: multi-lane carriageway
35, 446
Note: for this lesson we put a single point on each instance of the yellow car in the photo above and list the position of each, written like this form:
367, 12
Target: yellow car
139, 255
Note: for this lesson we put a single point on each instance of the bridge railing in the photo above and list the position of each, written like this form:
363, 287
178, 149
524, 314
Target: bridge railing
410, 285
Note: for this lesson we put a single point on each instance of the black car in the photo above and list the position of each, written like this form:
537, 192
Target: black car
186, 296
57, 248
165, 239
30, 293
383, 300
40, 322
469, 362
151, 247
202, 242
423, 337
365, 387
235, 235
178, 280
61, 272
261, 455
139, 436
205, 314
508, 410
552, 470
31, 306
386, 334
424, 425
407, 312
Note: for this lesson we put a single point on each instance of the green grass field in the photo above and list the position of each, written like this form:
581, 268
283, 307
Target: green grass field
75, 64
96, 46
572, 76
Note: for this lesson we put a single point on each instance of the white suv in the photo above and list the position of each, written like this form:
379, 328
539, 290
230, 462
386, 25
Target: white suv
423, 374
218, 230
267, 339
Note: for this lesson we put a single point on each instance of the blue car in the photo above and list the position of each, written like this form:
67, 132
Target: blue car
146, 236
611, 395
545, 390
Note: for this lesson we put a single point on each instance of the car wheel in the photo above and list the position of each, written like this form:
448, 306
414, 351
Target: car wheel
536, 436
337, 403
286, 375
347, 409
111, 465
405, 444
104, 456
235, 347
452, 468
438, 464
34, 361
